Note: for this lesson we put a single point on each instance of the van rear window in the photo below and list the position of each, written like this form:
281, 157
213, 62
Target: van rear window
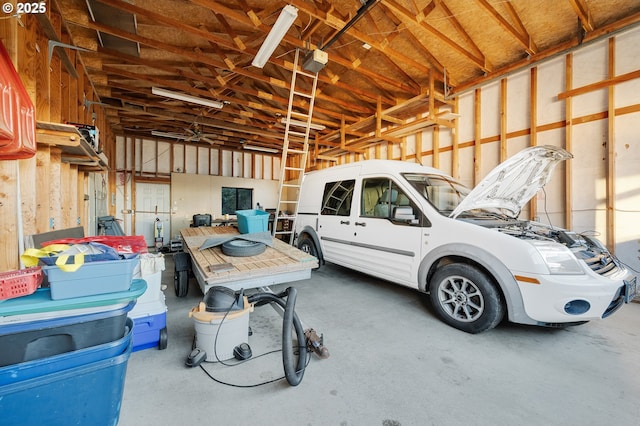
337, 196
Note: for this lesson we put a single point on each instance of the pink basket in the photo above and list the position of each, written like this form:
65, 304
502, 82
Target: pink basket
20, 283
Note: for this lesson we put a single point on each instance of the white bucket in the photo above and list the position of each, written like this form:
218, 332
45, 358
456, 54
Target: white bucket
218, 334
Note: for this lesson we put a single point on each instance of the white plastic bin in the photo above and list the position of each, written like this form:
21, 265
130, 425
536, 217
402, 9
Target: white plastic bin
150, 270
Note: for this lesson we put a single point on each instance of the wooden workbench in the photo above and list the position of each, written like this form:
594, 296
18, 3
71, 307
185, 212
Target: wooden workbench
278, 264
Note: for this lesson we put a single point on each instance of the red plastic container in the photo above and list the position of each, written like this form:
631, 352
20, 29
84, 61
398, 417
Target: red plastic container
17, 113
18, 283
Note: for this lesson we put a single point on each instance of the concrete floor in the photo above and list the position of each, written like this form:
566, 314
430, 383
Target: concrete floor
392, 363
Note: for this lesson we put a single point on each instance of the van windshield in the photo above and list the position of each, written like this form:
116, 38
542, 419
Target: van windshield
442, 192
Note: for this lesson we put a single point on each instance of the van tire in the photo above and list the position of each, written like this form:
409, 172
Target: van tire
307, 245
465, 298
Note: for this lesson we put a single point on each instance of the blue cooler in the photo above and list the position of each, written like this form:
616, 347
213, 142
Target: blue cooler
150, 325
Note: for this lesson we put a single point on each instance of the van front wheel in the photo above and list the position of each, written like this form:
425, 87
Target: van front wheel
307, 245
465, 298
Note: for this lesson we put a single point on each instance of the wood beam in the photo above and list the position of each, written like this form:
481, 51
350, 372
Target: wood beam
584, 14
503, 120
523, 39
611, 151
608, 82
533, 124
477, 135
408, 15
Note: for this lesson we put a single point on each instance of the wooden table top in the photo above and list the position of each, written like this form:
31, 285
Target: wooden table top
219, 268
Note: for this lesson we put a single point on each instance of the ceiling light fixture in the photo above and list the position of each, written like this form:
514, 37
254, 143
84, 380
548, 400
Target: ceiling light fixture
260, 148
303, 124
275, 36
186, 98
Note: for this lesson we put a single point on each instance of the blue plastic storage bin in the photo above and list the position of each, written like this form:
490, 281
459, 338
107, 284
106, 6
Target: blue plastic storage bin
33, 327
34, 340
250, 221
31, 369
41, 302
85, 394
91, 278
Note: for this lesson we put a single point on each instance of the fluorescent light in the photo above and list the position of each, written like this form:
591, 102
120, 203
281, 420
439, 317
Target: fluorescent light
185, 98
260, 148
303, 124
279, 29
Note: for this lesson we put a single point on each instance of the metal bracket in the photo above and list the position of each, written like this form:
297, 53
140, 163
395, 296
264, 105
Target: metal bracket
53, 44
87, 103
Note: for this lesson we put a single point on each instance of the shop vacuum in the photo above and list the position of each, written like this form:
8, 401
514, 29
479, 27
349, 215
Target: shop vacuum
222, 328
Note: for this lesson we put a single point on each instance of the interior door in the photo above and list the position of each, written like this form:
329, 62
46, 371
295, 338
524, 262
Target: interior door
153, 201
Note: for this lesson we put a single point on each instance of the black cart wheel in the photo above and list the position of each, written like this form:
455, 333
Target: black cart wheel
164, 337
243, 248
181, 283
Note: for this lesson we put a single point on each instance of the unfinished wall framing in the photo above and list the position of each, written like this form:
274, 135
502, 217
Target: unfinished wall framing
50, 191
586, 101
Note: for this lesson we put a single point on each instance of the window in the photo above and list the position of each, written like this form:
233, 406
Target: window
337, 196
445, 194
236, 199
382, 198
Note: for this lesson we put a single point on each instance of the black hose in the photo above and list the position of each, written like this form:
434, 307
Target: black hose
293, 374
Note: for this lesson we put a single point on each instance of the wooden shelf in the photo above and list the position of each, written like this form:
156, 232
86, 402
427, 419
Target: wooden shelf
75, 149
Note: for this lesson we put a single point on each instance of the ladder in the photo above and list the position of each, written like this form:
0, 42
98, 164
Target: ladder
294, 151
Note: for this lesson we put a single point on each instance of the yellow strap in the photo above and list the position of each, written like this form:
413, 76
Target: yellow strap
31, 257
78, 261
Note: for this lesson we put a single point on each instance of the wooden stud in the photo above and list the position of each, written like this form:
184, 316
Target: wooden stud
568, 144
503, 119
455, 154
477, 133
55, 191
436, 147
611, 152
533, 124
42, 181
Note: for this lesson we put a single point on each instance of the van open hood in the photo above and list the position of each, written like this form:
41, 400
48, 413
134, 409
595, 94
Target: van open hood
514, 182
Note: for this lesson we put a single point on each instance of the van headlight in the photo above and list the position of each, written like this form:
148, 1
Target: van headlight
558, 258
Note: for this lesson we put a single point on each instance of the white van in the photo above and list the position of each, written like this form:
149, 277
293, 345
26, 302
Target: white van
415, 226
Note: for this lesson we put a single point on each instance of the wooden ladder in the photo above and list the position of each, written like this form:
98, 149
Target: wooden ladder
295, 150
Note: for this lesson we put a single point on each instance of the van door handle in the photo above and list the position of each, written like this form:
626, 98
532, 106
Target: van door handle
344, 222
361, 223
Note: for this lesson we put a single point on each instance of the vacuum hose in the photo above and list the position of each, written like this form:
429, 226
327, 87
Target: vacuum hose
292, 373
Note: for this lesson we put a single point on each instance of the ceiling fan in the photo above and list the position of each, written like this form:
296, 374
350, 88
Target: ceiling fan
189, 135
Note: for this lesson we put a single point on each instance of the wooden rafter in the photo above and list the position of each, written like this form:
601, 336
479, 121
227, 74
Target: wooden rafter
406, 14
584, 14
522, 38
460, 29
